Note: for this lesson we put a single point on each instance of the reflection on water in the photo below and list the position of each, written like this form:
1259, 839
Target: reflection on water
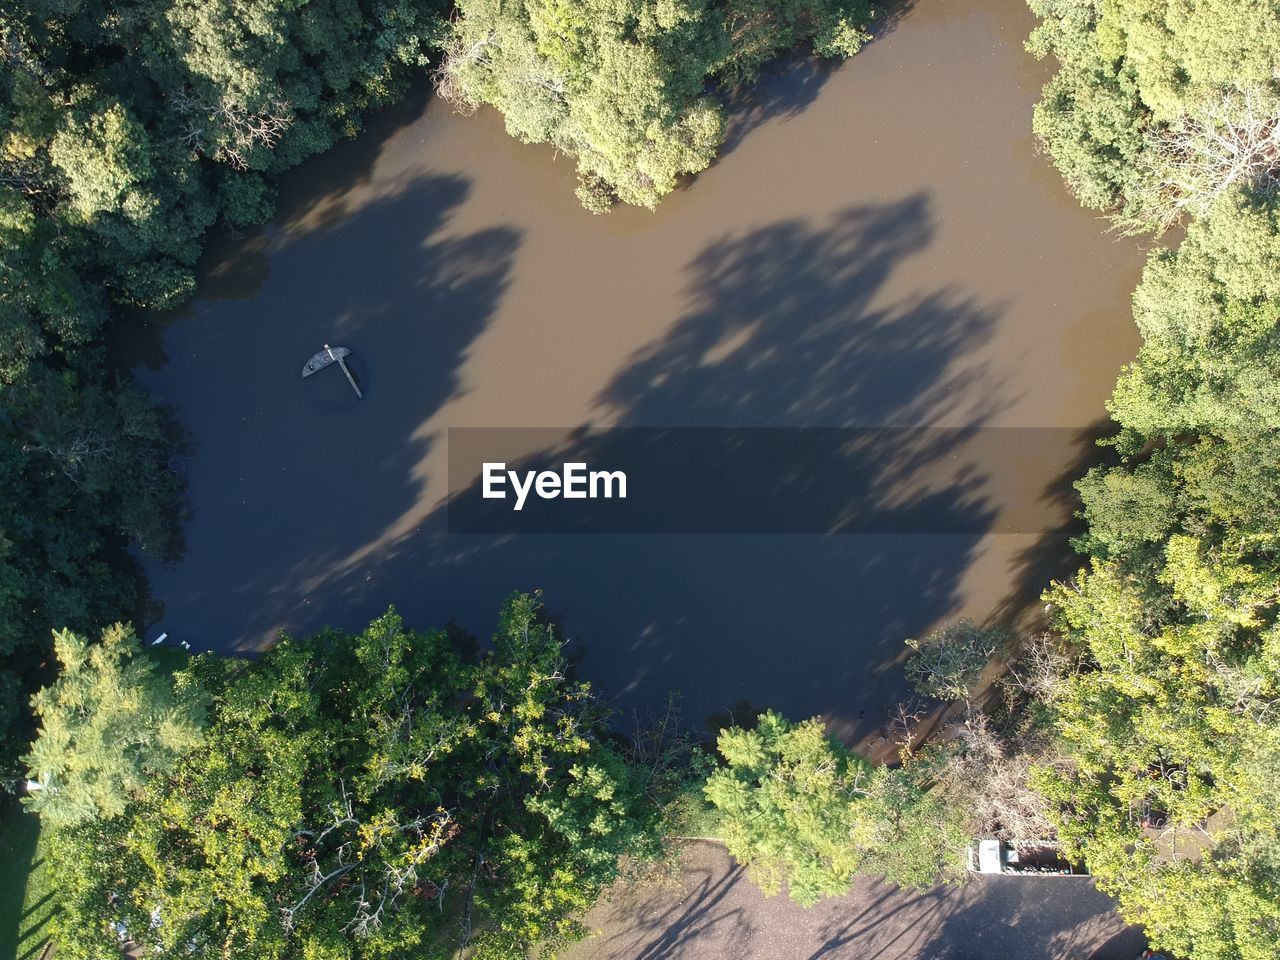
879, 246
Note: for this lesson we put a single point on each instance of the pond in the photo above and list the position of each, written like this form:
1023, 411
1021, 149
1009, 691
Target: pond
879, 244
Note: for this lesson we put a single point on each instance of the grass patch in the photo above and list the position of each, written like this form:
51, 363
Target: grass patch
27, 901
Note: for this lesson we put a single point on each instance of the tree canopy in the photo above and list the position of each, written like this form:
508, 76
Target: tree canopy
948, 663
798, 808
622, 85
107, 725
1169, 733
129, 128
1159, 106
364, 795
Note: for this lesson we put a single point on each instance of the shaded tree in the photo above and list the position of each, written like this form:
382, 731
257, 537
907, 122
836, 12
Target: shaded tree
127, 129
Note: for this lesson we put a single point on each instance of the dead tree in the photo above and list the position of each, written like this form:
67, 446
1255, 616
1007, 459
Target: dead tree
377, 857
225, 129
991, 777
1232, 139
1041, 667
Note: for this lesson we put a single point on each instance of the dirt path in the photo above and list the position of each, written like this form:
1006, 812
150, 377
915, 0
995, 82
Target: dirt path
716, 913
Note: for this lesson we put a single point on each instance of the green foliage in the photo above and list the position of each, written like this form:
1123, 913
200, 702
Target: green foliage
797, 808
1208, 313
787, 794
87, 470
1089, 116
907, 831
107, 725
1159, 106
949, 662
372, 795
1126, 510
1174, 719
1175, 711
621, 84
1162, 111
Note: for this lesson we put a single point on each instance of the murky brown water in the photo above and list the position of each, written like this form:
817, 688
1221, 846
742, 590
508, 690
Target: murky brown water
879, 245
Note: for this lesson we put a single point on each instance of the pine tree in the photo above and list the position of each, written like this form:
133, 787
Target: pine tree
108, 723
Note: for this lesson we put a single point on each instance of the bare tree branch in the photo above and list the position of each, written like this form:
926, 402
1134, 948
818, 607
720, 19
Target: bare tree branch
1231, 139
225, 129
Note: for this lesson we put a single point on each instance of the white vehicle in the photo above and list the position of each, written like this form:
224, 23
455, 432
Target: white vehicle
1040, 860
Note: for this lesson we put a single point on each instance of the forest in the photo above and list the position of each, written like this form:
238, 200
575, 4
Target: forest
408, 789
1166, 115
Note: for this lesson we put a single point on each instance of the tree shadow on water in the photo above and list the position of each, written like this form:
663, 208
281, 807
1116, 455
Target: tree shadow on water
783, 90
235, 262
787, 326
787, 86
1050, 557
795, 324
289, 476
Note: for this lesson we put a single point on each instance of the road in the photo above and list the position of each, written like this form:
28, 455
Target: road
714, 912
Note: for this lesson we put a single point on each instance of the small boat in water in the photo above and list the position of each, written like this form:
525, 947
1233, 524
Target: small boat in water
330, 355
325, 357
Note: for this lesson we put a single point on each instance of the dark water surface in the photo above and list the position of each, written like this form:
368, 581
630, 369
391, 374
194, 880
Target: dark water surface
879, 245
